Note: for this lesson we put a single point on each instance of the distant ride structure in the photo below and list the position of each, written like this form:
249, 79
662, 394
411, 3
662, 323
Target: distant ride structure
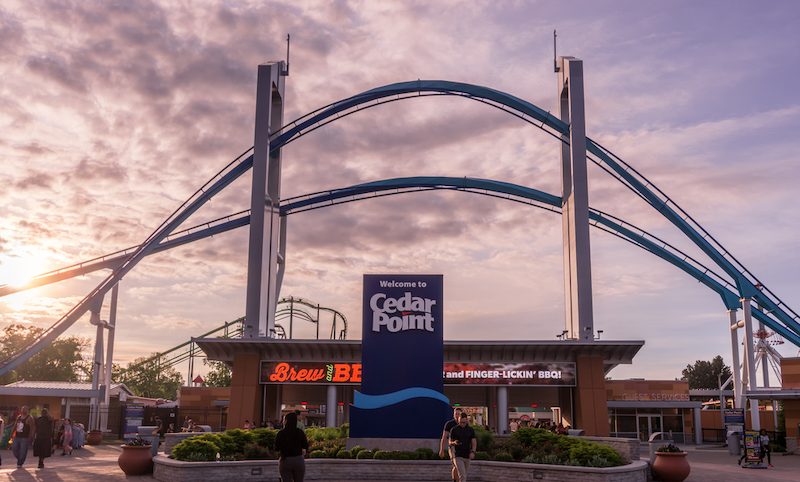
738, 287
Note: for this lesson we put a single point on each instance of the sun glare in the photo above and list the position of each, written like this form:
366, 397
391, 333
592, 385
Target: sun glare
18, 272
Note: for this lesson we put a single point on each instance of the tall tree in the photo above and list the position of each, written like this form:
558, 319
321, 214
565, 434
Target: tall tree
55, 362
151, 377
219, 375
704, 374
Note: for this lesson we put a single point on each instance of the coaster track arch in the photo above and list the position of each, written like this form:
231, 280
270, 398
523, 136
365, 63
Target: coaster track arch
778, 315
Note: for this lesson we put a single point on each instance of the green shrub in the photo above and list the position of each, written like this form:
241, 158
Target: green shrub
224, 443
194, 445
227, 445
355, 450
344, 454
404, 455
424, 453
525, 435
197, 457
345, 430
503, 457
483, 436
598, 461
317, 454
318, 434
549, 459
777, 447
585, 451
365, 454
264, 437
482, 456
256, 452
240, 438
382, 455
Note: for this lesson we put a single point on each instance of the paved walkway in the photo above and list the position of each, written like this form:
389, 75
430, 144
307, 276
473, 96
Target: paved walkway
99, 463
89, 464
713, 463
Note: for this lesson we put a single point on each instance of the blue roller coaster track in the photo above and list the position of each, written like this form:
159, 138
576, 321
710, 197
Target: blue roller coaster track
742, 284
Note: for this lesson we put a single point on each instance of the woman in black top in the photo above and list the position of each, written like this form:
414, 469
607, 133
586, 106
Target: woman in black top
43, 444
291, 442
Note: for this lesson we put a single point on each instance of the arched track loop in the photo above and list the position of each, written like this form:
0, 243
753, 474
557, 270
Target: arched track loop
503, 101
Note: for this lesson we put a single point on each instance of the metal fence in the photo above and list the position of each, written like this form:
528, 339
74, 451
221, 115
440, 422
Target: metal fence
718, 435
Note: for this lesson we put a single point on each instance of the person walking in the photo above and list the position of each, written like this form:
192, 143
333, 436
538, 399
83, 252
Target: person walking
67, 446
43, 439
445, 442
764, 441
23, 429
291, 442
464, 444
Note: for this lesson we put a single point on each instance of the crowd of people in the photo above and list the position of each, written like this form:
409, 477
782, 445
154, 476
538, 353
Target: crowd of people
44, 434
560, 429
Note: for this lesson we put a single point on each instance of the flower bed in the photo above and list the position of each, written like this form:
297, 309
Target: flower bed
527, 445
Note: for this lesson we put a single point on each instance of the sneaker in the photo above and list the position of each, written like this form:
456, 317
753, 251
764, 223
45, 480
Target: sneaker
770, 465
41, 465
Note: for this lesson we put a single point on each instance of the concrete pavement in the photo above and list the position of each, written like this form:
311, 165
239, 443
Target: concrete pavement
711, 463
99, 463
89, 464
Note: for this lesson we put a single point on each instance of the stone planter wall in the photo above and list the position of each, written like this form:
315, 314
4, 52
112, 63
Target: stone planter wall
628, 448
791, 445
168, 470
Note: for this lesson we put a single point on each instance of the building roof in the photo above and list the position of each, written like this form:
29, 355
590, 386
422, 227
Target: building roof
59, 389
613, 352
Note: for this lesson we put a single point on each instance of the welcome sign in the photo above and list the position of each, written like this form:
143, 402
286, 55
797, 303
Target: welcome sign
401, 355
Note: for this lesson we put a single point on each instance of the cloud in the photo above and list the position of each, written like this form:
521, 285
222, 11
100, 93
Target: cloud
114, 113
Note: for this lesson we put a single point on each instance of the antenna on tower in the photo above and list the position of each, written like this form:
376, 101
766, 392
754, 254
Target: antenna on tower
286, 72
555, 59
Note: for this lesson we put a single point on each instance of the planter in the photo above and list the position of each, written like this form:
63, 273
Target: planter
94, 437
136, 459
671, 466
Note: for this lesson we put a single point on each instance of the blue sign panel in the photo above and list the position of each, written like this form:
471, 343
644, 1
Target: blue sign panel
401, 355
134, 414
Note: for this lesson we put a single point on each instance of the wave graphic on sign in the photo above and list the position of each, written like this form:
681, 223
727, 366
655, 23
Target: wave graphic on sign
371, 402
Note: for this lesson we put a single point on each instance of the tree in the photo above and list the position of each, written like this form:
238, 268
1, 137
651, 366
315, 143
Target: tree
704, 374
150, 377
55, 362
219, 375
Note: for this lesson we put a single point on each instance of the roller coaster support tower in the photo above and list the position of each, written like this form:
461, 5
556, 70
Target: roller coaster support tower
575, 203
267, 245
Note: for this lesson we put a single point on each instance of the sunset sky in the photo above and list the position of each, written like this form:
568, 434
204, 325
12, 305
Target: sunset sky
113, 113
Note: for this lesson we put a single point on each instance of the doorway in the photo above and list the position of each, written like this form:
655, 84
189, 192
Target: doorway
648, 425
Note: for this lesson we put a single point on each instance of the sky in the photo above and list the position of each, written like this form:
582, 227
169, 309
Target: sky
114, 113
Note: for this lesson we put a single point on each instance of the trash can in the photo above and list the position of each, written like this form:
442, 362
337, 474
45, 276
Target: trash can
657, 440
146, 433
734, 446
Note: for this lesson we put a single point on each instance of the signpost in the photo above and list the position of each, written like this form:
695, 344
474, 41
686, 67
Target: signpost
402, 356
134, 415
